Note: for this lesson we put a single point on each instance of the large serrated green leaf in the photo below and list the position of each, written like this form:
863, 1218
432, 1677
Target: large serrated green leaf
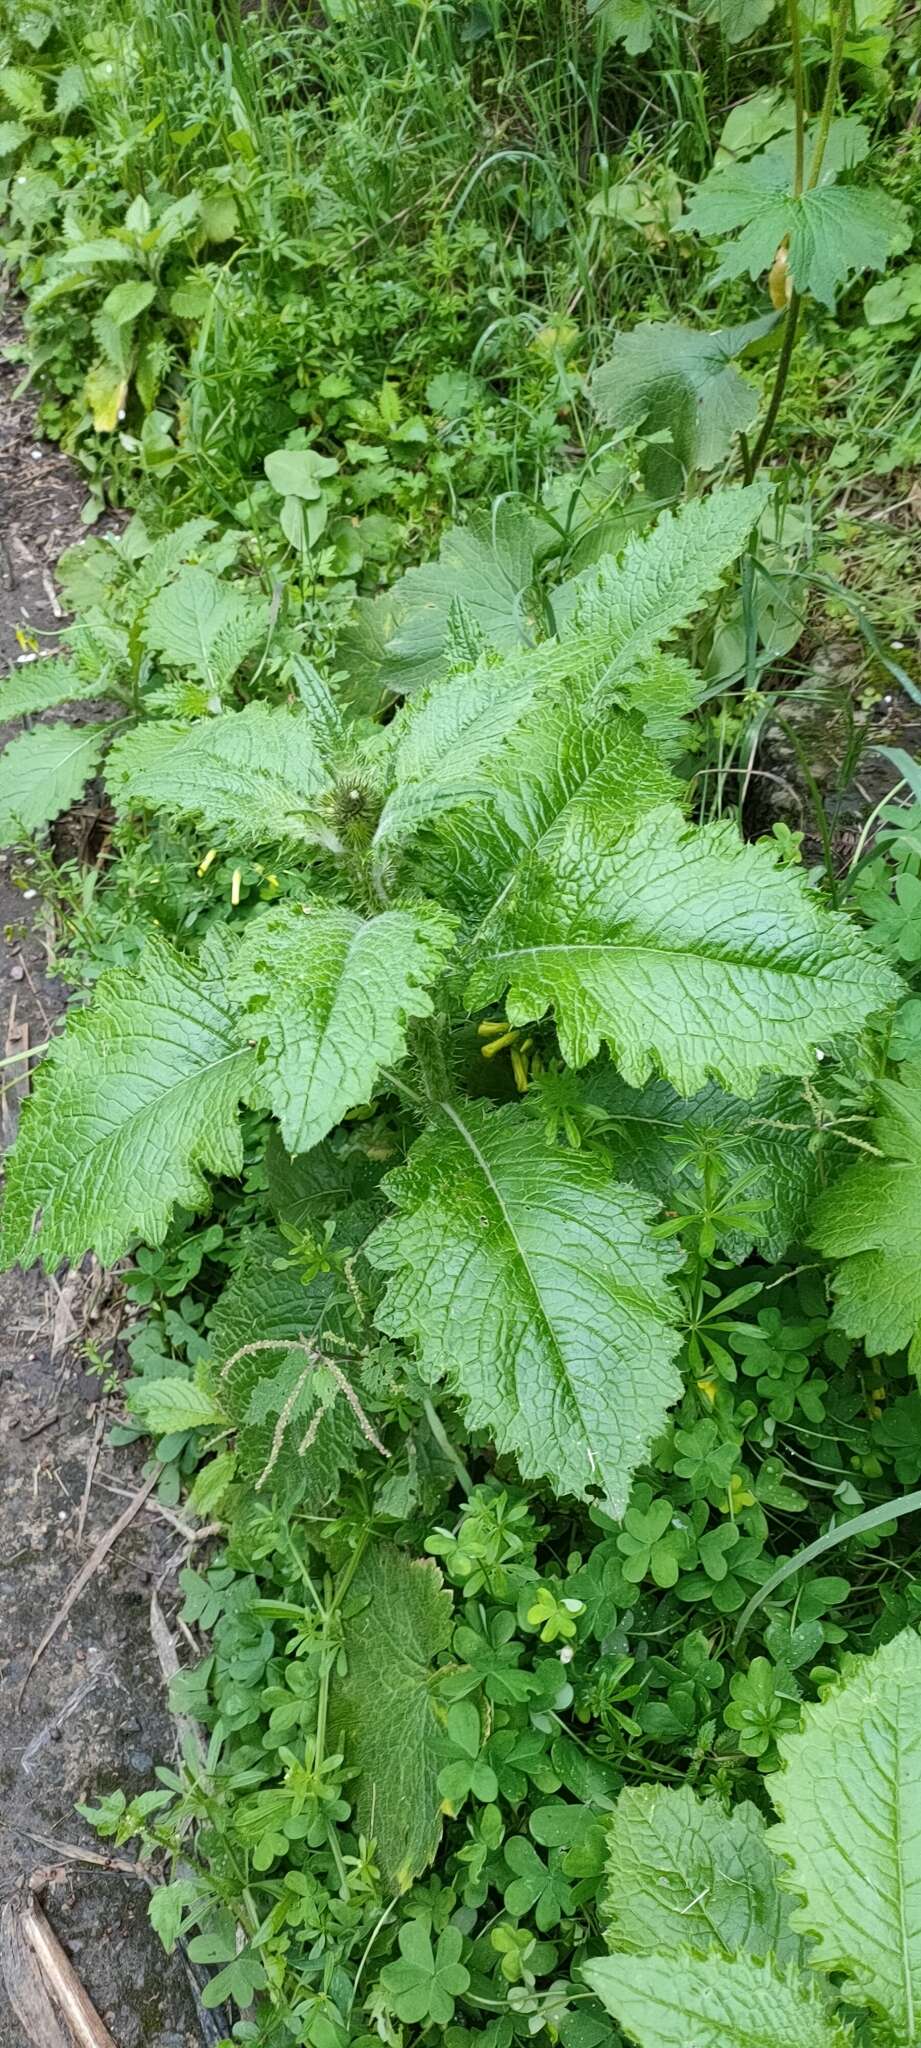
381, 1713
131, 1109
683, 949
555, 765
199, 623
831, 231
630, 22
447, 741
870, 1220
42, 773
43, 685
327, 996
683, 1873
849, 1797
252, 774
534, 1281
712, 2002
666, 376
488, 566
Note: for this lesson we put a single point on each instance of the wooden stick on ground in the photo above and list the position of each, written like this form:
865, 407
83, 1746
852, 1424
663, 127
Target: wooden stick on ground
42, 1985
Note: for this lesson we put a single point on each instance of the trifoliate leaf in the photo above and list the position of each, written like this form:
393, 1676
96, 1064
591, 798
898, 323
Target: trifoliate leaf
42, 773
327, 996
202, 624
534, 1281
831, 232
131, 1109
42, 686
686, 951
683, 1873
714, 2002
270, 1395
849, 1797
870, 1220
250, 774
671, 377
381, 1713
763, 1147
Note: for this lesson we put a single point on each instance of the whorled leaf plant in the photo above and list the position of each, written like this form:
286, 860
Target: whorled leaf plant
514, 837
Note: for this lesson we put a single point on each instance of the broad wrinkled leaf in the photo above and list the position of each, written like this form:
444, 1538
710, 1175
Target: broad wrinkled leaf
381, 1712
737, 19
831, 232
534, 1281
131, 1109
42, 773
683, 1873
870, 1220
556, 765
849, 1797
200, 623
712, 2002
489, 566
683, 949
672, 377
447, 743
254, 774
327, 996
42, 686
125, 301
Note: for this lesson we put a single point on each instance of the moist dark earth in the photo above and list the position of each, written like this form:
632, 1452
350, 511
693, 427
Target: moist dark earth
94, 1712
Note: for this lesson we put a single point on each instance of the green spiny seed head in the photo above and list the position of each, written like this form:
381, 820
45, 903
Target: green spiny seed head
355, 809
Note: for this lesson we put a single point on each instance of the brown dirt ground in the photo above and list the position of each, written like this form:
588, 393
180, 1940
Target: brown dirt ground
94, 1712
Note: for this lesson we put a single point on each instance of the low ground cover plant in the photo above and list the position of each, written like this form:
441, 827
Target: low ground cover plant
510, 1129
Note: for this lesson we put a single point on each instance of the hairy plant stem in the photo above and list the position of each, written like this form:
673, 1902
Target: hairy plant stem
752, 461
